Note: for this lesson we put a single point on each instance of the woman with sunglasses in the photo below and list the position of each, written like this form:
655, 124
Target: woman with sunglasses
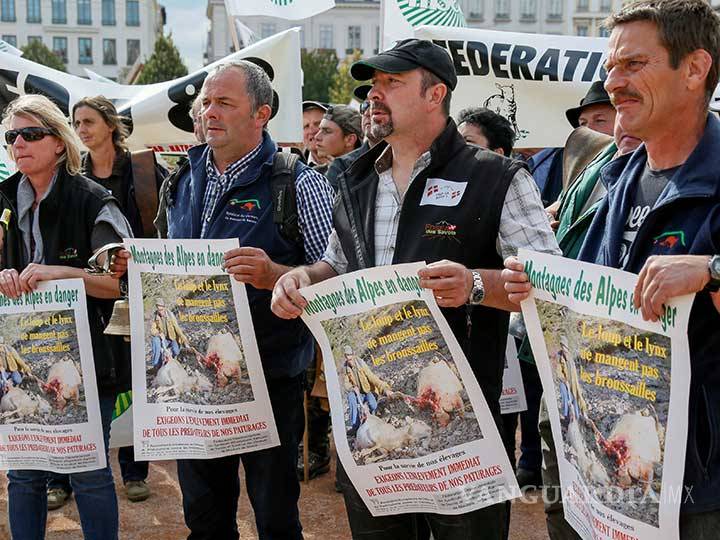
58, 218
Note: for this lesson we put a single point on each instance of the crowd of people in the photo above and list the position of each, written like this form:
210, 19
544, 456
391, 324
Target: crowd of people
637, 165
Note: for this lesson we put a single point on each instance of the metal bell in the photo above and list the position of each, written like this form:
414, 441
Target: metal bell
119, 324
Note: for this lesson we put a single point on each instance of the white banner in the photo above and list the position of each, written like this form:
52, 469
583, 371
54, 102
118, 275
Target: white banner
198, 385
512, 399
411, 426
158, 113
400, 17
530, 79
7, 48
282, 9
616, 388
7, 166
49, 408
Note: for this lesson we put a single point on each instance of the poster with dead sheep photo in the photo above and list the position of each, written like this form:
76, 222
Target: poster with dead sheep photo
49, 408
198, 384
617, 393
411, 426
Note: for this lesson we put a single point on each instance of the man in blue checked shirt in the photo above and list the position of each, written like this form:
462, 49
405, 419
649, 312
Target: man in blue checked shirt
228, 194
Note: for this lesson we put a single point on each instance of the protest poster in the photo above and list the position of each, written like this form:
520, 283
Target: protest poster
49, 409
198, 387
157, 114
411, 426
617, 390
512, 399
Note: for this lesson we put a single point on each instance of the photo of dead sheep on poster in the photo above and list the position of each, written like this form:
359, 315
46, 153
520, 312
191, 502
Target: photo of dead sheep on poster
40, 373
193, 351
402, 393
612, 383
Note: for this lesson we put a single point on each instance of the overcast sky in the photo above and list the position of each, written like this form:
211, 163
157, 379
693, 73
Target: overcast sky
189, 26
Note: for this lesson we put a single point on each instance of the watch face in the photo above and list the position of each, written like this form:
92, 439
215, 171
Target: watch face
715, 267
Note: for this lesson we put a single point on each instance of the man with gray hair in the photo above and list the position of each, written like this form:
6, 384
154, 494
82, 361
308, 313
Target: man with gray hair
229, 194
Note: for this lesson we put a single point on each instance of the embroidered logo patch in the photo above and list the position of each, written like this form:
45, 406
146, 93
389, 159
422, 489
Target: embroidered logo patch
441, 229
670, 239
245, 204
439, 192
69, 253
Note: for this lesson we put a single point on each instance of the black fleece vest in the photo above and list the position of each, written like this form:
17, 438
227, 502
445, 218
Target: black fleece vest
465, 233
67, 219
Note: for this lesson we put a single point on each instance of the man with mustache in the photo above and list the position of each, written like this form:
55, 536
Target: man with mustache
662, 69
391, 203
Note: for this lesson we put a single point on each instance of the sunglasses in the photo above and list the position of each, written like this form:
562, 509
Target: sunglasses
364, 106
29, 134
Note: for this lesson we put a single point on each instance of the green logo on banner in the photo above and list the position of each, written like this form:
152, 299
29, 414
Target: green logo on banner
434, 12
282, 3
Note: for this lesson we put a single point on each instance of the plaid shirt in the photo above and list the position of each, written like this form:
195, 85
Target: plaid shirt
217, 184
523, 221
314, 201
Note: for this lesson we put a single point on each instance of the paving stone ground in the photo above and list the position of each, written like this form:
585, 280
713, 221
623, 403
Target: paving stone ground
160, 517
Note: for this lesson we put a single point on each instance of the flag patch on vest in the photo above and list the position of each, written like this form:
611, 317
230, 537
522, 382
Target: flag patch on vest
439, 192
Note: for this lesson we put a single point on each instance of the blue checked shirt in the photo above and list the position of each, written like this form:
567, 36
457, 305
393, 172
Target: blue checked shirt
314, 201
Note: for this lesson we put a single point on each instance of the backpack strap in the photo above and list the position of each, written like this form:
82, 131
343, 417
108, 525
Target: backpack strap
284, 192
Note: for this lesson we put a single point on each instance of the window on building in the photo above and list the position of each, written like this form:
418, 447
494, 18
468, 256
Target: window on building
583, 5
582, 30
267, 29
603, 32
85, 50
109, 52
132, 13
8, 11
326, 37
605, 5
59, 11
302, 36
528, 9
502, 9
474, 9
10, 39
60, 48
133, 51
354, 38
108, 12
377, 40
555, 9
84, 12
34, 39
33, 11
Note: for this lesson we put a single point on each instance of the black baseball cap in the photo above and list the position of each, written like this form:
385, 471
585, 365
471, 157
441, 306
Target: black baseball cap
406, 55
361, 92
595, 96
307, 105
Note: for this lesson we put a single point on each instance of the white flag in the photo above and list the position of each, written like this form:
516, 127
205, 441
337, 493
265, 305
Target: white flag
401, 16
283, 9
7, 48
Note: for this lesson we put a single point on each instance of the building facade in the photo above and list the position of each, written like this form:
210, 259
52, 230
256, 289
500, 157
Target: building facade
105, 36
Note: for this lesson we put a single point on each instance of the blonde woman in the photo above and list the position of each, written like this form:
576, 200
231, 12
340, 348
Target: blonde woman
58, 218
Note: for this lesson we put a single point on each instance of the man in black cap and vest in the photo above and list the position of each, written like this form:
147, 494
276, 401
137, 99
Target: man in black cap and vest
390, 200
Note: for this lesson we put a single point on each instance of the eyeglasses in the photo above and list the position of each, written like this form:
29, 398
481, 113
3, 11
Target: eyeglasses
364, 106
29, 134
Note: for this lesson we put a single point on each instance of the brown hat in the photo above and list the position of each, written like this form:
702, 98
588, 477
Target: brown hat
349, 120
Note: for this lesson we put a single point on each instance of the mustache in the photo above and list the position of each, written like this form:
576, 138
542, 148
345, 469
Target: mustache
624, 94
379, 107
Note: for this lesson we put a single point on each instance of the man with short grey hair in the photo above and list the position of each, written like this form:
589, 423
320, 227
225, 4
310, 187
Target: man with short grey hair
240, 162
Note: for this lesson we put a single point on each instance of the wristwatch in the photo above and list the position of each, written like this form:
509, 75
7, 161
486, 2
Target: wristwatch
477, 293
714, 268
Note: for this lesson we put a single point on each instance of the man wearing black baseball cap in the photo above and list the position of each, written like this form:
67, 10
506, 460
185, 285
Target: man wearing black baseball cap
421, 179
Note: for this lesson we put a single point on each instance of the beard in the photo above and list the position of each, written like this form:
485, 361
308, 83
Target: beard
380, 131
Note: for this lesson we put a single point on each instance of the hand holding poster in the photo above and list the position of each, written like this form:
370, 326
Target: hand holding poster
411, 426
49, 408
617, 393
198, 384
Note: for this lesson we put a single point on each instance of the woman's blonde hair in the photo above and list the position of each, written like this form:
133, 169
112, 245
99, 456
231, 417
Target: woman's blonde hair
44, 111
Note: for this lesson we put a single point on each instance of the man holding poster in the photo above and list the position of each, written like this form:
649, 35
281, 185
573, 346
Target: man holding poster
419, 195
660, 218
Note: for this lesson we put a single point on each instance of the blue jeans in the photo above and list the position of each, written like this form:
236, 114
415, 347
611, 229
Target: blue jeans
156, 349
130, 470
211, 487
354, 405
94, 493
